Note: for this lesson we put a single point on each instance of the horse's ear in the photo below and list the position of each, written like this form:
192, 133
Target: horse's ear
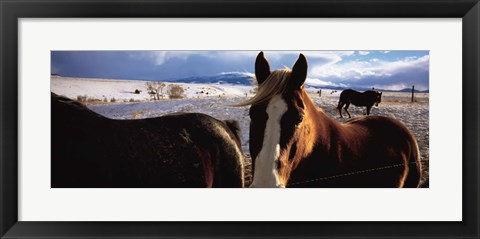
299, 72
262, 68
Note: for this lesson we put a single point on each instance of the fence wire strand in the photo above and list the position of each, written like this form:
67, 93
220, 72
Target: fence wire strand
352, 173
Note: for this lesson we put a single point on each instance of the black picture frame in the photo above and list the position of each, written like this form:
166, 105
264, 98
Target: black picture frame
12, 10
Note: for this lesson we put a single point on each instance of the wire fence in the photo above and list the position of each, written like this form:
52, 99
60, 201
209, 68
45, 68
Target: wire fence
351, 173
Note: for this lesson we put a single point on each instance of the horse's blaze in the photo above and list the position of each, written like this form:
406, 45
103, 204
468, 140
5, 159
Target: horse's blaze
266, 170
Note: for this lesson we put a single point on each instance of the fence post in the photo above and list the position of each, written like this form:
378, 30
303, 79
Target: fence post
413, 92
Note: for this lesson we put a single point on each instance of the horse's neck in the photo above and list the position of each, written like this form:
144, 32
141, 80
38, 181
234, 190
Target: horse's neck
320, 125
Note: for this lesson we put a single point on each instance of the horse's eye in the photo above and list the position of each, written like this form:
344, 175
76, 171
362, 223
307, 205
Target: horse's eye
253, 112
301, 116
257, 114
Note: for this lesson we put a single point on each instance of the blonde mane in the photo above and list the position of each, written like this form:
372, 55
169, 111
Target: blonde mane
275, 84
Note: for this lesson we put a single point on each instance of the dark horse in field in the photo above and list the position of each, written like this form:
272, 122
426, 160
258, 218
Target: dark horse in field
295, 144
180, 150
367, 98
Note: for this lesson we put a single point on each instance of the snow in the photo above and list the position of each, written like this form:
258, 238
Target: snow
218, 103
124, 90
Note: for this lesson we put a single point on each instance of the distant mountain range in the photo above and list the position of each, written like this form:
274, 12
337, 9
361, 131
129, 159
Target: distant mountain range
231, 78
410, 90
246, 79
364, 89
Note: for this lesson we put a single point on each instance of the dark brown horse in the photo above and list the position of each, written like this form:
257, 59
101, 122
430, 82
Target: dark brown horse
181, 150
367, 98
295, 144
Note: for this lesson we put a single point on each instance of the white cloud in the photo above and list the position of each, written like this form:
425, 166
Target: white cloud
385, 52
245, 73
363, 53
332, 57
407, 63
357, 70
336, 56
321, 83
400, 86
325, 57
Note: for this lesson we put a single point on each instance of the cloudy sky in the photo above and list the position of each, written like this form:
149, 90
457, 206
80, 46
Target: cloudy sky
390, 70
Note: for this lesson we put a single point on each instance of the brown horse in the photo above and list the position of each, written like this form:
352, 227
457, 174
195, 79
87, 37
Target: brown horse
180, 150
295, 144
367, 98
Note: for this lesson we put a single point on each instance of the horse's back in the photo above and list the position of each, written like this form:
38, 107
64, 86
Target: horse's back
183, 150
347, 94
381, 125
351, 96
358, 98
387, 143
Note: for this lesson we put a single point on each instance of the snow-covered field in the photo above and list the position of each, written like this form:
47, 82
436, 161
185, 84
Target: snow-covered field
124, 90
220, 98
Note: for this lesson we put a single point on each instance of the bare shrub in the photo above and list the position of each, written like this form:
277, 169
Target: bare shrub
93, 100
155, 89
82, 98
175, 92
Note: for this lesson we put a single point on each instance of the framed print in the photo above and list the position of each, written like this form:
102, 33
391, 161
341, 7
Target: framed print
152, 101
